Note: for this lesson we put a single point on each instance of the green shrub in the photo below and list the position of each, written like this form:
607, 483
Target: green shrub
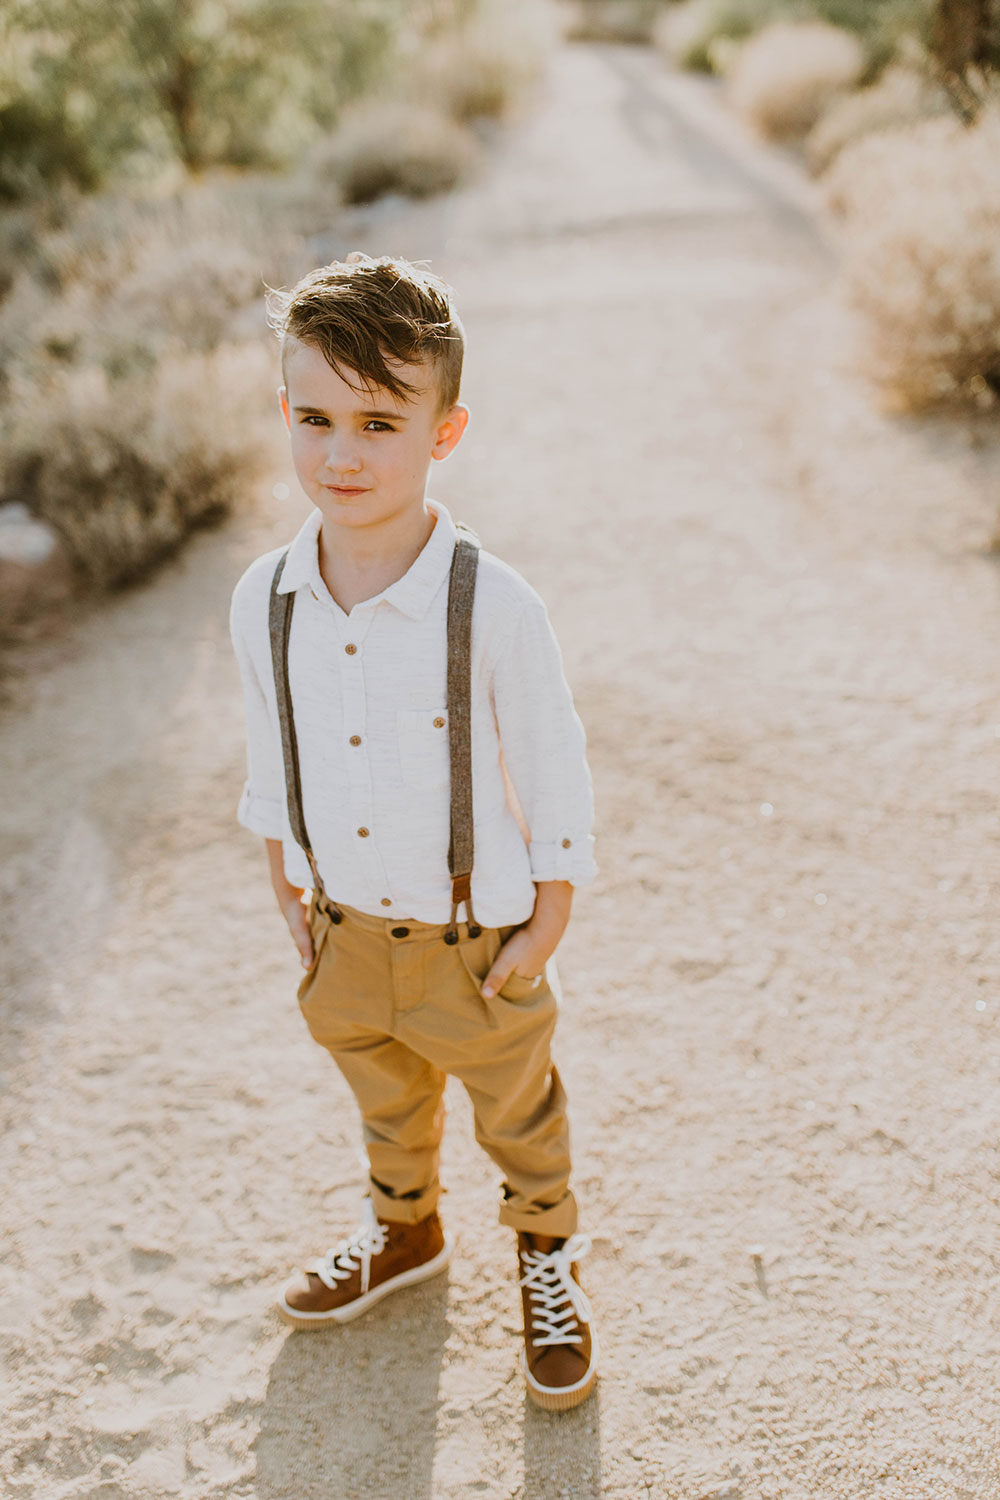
108, 91
689, 32
885, 26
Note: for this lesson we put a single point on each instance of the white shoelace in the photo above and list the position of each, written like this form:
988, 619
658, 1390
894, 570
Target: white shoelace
344, 1259
557, 1301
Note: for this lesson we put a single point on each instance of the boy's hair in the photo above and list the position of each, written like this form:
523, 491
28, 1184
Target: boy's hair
360, 311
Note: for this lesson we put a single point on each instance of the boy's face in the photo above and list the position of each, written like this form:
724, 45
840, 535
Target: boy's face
363, 459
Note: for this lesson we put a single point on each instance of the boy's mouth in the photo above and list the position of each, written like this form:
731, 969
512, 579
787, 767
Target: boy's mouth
346, 489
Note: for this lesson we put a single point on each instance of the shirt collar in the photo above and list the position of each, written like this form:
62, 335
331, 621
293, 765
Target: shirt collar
412, 594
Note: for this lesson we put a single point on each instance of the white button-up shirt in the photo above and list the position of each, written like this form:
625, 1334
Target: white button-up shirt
371, 714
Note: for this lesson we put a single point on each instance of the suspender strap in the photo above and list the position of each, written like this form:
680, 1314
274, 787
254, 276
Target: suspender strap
461, 847
280, 624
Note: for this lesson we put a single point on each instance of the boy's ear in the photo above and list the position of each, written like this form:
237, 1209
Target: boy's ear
449, 430
283, 400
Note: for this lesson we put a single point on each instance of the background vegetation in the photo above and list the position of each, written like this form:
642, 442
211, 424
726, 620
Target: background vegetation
161, 161
895, 104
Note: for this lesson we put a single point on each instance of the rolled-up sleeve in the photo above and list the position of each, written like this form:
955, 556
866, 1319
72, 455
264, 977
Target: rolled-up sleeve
261, 807
544, 750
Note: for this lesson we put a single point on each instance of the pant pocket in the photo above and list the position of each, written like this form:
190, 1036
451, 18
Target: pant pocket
517, 987
319, 927
479, 955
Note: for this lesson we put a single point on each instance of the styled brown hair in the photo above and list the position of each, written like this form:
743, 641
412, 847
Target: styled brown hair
362, 311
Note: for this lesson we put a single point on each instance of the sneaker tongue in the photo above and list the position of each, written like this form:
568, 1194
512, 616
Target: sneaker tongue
546, 1243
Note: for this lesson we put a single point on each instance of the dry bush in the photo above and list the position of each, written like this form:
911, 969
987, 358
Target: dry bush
131, 372
693, 34
125, 468
613, 20
700, 34
922, 264
902, 96
392, 147
482, 69
789, 73
110, 274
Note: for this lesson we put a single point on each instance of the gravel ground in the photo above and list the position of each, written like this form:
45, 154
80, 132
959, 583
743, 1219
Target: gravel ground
779, 612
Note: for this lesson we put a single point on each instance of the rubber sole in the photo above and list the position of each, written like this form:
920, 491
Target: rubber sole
361, 1305
563, 1398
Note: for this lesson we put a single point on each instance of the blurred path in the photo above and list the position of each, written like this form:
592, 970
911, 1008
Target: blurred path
780, 1034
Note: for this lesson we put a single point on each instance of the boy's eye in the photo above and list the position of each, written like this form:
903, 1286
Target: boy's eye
314, 419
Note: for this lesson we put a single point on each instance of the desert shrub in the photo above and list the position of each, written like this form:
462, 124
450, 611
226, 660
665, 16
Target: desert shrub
393, 147
101, 92
40, 142
132, 371
125, 468
902, 96
884, 26
482, 68
789, 73
699, 33
613, 20
922, 210
119, 282
690, 32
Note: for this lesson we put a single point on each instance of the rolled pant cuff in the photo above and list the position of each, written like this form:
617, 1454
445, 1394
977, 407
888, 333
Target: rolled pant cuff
404, 1210
559, 1220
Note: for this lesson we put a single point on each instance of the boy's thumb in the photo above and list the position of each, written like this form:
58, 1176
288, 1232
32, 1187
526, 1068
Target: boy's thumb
494, 981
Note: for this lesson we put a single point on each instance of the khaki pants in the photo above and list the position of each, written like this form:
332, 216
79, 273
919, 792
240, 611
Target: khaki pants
399, 1009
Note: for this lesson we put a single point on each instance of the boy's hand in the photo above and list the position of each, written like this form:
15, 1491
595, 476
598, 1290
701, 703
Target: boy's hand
296, 914
290, 900
527, 951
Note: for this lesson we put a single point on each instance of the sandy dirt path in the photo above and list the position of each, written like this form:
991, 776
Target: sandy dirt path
780, 1033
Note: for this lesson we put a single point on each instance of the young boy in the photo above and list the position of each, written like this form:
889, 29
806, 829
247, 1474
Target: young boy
413, 749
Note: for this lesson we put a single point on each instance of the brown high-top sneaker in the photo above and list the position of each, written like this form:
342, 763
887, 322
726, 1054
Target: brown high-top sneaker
559, 1357
382, 1256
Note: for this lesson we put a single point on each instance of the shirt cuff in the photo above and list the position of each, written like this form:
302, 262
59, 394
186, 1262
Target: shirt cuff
263, 815
567, 858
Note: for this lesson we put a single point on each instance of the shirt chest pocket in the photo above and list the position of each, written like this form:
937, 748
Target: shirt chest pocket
422, 734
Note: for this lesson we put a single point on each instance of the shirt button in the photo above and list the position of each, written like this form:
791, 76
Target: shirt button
355, 739
386, 900
363, 833
567, 843
438, 723
351, 649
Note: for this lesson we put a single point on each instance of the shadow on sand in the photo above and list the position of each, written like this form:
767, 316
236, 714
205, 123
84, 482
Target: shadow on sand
562, 1451
353, 1412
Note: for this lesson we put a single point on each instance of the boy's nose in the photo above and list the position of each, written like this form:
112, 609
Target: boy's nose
341, 461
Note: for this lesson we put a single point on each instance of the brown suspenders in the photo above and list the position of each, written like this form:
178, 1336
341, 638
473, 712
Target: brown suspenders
461, 846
